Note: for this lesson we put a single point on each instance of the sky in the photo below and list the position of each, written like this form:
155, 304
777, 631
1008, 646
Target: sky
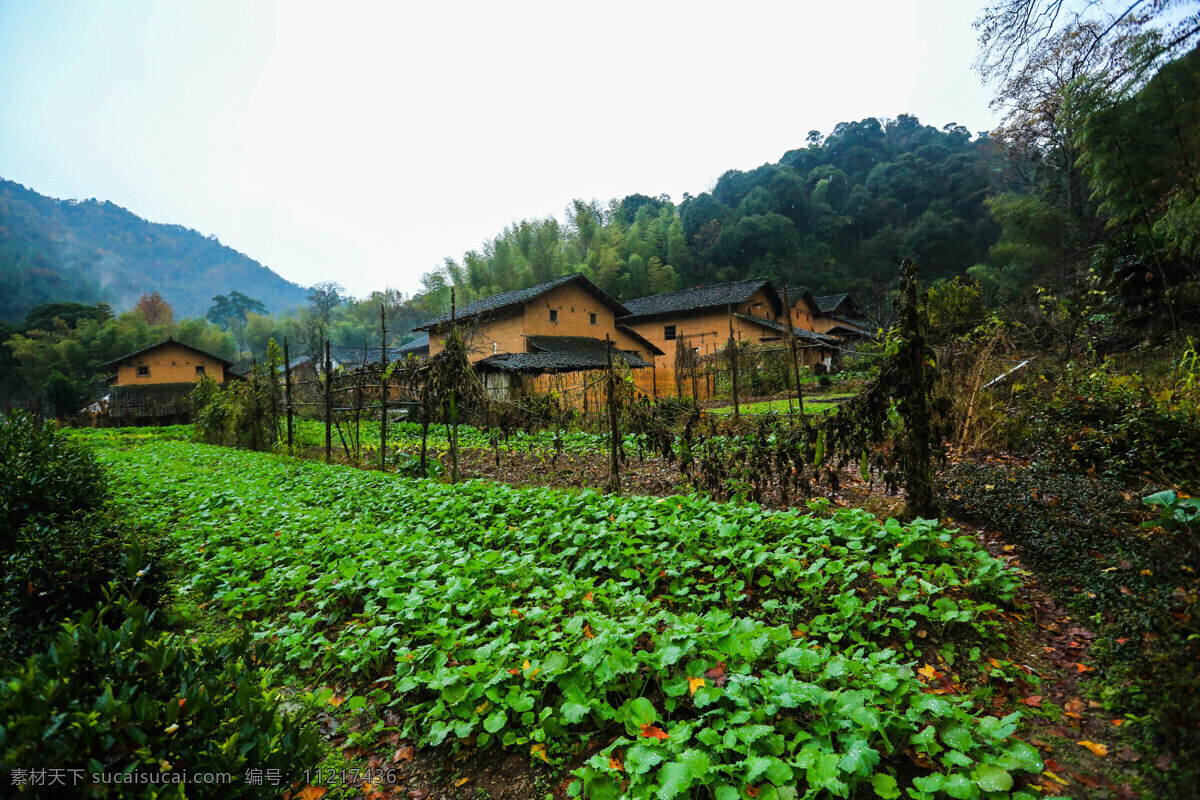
365, 142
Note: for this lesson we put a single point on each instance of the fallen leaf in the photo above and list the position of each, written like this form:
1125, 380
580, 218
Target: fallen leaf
929, 672
1090, 781
1083, 668
1164, 762
1035, 701
1126, 753
694, 684
539, 750
752, 791
717, 674
1118, 722
649, 732
1054, 777
405, 753
461, 781
615, 763
1097, 749
310, 793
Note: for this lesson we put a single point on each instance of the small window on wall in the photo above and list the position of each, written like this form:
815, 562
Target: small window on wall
592, 318
143, 372
200, 369
554, 315
669, 332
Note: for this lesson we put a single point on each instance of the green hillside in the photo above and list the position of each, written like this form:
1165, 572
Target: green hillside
92, 251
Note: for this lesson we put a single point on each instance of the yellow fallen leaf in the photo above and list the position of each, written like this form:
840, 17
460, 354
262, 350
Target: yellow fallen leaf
694, 684
1054, 777
1097, 749
482, 707
461, 781
929, 672
539, 750
526, 665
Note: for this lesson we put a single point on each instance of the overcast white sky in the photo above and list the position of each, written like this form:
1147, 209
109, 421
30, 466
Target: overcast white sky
363, 142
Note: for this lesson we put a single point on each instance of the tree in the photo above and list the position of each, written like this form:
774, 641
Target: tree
324, 298
230, 310
312, 326
155, 310
1010, 31
1142, 157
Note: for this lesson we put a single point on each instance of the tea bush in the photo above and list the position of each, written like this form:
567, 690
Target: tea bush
114, 695
44, 476
60, 546
62, 569
1137, 583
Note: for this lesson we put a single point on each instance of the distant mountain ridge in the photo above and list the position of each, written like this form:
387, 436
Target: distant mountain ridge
95, 251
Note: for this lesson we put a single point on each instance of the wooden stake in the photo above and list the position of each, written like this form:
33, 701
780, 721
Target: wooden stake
383, 387
287, 390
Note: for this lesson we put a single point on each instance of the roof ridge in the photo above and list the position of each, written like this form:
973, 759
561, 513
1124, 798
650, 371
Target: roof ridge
697, 288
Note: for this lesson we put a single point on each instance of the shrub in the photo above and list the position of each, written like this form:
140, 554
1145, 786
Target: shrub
112, 695
1138, 584
60, 570
43, 476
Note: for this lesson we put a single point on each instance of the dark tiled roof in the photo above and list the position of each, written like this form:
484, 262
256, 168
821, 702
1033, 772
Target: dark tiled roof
801, 333
650, 346
421, 343
351, 354
719, 296
561, 354
523, 296
797, 295
169, 340
830, 302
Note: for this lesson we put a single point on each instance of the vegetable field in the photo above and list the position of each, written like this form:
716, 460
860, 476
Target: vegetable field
658, 647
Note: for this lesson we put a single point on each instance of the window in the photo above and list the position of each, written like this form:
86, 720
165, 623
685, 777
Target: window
143, 372
669, 332
200, 369
592, 318
554, 315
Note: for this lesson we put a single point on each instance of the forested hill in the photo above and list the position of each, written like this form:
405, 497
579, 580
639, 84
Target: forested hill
91, 251
834, 215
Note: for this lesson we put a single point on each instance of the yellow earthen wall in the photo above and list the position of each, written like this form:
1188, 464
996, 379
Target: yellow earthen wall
574, 306
170, 363
708, 330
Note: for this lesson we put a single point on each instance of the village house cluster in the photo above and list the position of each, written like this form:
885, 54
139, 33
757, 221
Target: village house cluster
565, 325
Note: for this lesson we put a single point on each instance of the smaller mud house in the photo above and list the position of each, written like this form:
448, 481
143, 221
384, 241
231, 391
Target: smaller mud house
837, 315
559, 326
702, 317
153, 384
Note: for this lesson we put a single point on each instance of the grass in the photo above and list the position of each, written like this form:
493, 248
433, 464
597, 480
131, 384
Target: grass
816, 405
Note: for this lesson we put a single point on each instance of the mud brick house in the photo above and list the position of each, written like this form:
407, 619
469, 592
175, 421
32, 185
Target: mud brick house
837, 315
168, 361
554, 327
701, 317
153, 384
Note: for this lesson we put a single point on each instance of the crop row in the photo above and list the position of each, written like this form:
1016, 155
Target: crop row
747, 652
